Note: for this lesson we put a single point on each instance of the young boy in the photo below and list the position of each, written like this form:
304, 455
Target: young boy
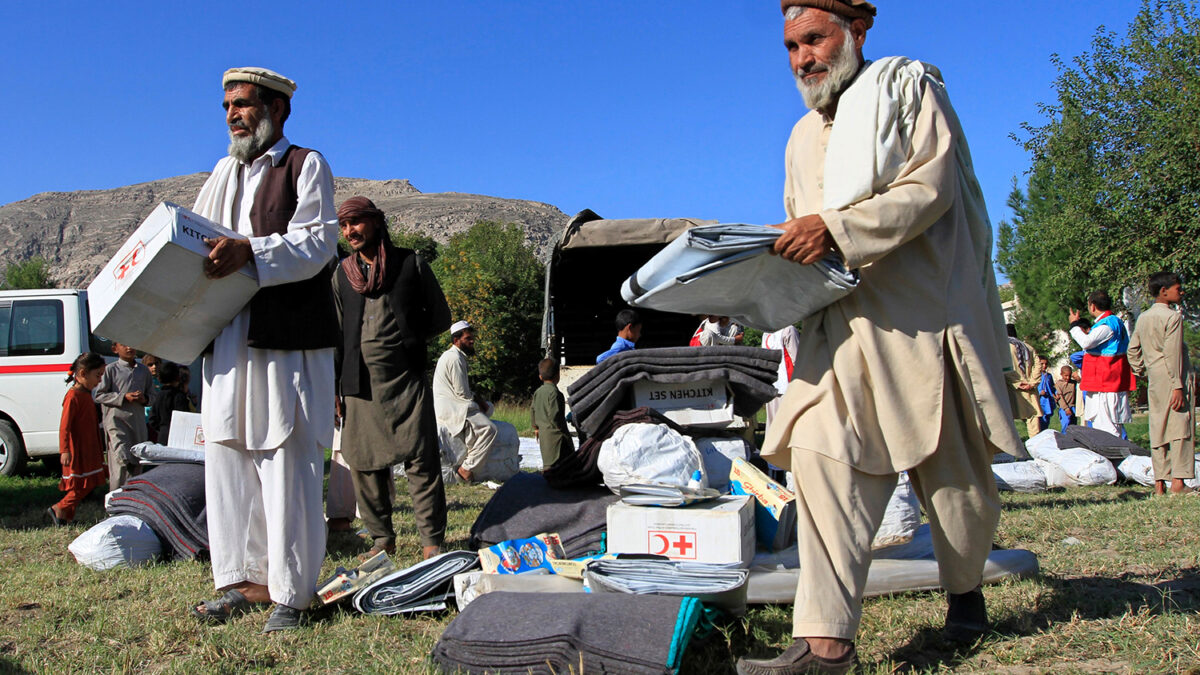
1066, 386
629, 330
170, 398
549, 422
1046, 394
122, 396
1157, 349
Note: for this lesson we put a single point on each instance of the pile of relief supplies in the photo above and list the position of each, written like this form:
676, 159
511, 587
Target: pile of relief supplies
1078, 456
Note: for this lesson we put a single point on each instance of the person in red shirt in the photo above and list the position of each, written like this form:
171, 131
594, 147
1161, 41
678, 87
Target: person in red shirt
79, 446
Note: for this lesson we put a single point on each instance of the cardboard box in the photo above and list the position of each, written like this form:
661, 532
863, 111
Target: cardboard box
719, 531
775, 505
153, 294
704, 403
185, 431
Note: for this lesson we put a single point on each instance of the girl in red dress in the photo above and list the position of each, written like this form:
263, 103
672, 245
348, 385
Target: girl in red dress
80, 448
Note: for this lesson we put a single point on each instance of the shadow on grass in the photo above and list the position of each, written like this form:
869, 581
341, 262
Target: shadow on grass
1076, 499
1067, 599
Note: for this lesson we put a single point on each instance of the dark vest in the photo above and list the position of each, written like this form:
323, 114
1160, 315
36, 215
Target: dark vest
299, 315
406, 297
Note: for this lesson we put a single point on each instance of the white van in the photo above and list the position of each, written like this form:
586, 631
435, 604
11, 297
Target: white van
41, 333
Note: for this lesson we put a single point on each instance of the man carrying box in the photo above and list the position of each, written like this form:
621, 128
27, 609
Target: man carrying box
268, 380
880, 172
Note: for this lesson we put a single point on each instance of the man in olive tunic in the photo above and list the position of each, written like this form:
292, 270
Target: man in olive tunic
904, 373
1157, 349
389, 305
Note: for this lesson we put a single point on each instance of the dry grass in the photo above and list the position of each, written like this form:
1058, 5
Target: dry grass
1124, 599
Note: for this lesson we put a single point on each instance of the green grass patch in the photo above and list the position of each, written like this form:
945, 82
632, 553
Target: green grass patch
1124, 598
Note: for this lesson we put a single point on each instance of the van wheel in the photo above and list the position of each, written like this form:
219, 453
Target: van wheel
12, 450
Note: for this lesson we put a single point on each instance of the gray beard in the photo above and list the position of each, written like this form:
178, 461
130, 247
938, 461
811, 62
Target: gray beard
248, 148
841, 72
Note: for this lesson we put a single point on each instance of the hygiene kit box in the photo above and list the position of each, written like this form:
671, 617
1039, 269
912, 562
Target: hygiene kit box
153, 294
774, 505
717, 531
185, 431
704, 403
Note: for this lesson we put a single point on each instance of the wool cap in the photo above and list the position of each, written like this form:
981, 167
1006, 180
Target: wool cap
459, 326
359, 207
851, 9
261, 76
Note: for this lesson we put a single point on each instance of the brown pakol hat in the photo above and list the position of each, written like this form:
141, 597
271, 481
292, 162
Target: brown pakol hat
851, 9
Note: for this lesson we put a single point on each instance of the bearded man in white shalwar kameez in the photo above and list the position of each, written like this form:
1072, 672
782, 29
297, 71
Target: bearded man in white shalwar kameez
879, 172
268, 382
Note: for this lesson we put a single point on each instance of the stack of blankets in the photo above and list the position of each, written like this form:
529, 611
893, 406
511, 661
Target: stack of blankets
527, 505
605, 389
505, 632
170, 499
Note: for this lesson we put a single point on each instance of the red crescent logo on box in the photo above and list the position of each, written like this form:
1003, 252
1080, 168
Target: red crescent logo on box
129, 261
672, 543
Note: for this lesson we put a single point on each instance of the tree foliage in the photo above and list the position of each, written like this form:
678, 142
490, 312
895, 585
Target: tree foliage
494, 281
422, 243
1113, 192
32, 273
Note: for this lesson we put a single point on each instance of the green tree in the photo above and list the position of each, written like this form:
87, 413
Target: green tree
1114, 186
405, 237
32, 273
494, 281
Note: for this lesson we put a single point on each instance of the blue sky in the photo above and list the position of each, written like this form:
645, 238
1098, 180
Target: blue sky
632, 109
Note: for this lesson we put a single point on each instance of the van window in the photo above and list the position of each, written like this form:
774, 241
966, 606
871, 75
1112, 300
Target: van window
34, 327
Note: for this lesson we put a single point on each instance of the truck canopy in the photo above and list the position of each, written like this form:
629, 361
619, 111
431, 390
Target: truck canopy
590, 260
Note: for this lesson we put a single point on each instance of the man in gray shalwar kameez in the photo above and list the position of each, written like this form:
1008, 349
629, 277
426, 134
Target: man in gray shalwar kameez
389, 304
122, 395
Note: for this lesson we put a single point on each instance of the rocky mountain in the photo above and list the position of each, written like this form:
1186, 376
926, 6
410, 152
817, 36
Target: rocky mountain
78, 232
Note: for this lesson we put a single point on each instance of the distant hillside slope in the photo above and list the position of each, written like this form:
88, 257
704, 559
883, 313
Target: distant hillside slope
79, 231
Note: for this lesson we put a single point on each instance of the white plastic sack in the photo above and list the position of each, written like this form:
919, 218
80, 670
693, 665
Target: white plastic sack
1076, 466
1140, 470
503, 462
902, 517
124, 540
649, 453
1019, 477
1046, 443
719, 453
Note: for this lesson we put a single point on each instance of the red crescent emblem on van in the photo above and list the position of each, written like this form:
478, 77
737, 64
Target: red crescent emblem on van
130, 261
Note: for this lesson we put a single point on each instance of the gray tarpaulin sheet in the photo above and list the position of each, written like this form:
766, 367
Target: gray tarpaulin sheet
424, 586
896, 569
721, 586
728, 270
749, 371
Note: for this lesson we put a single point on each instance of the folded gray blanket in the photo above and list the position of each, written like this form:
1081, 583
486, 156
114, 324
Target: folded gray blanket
750, 372
170, 498
505, 632
1113, 448
526, 505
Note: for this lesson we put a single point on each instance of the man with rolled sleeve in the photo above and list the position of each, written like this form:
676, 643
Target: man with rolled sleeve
879, 171
269, 379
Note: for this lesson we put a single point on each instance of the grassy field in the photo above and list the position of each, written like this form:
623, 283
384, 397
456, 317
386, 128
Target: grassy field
1120, 592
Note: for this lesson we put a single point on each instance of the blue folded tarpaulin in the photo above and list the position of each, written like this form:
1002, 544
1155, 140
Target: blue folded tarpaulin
728, 270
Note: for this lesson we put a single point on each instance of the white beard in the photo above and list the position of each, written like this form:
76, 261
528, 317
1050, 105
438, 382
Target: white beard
841, 71
248, 148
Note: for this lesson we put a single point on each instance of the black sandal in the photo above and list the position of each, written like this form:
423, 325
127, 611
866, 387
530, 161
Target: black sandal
282, 618
224, 608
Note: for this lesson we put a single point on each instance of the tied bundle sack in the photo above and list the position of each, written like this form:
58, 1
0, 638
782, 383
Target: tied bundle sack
649, 453
1019, 477
503, 459
1140, 470
728, 270
1070, 467
119, 541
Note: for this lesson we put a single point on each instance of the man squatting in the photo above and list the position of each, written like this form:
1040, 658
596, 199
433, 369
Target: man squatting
389, 306
922, 336
269, 378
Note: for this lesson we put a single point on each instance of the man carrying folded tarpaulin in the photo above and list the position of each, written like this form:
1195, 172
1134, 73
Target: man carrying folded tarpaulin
389, 306
268, 381
920, 339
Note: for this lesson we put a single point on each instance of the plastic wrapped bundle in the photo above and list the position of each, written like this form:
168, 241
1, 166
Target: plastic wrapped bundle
119, 541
